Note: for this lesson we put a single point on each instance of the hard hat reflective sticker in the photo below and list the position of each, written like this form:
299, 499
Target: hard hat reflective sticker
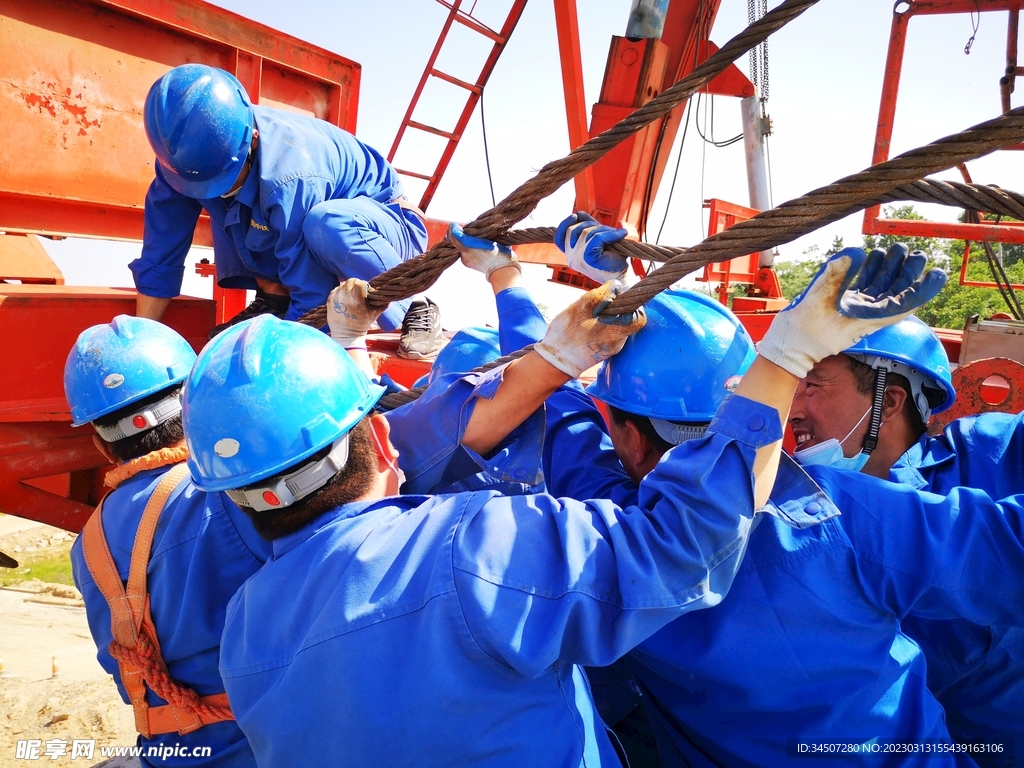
113, 381
226, 447
732, 382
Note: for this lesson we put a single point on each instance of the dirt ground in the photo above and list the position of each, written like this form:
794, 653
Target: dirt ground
42, 625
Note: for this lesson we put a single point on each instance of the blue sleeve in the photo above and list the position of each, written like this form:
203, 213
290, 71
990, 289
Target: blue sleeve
579, 460
544, 580
989, 455
428, 430
937, 557
286, 207
170, 223
520, 323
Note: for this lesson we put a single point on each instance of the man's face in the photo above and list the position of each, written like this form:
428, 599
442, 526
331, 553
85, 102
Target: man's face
827, 404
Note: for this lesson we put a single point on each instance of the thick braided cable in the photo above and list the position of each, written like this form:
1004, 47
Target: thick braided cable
973, 197
825, 205
418, 274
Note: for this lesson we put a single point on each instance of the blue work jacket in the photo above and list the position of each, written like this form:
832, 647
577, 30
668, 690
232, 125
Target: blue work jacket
976, 672
428, 431
203, 549
520, 322
447, 630
808, 643
301, 161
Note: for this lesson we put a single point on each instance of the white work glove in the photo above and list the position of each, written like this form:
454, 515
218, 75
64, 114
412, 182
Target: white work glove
481, 255
347, 314
835, 311
582, 240
577, 339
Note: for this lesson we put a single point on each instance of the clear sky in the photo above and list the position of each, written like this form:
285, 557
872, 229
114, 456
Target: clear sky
826, 71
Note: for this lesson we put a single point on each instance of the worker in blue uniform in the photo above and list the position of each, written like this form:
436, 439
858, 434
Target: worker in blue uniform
447, 628
428, 435
867, 409
296, 204
125, 379
821, 607
429, 431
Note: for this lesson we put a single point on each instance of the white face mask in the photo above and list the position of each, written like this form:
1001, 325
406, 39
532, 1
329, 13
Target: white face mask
829, 453
399, 474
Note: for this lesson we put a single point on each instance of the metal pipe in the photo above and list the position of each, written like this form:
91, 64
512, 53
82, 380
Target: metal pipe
647, 18
753, 153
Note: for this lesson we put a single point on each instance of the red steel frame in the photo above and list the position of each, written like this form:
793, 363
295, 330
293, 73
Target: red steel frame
75, 77
76, 162
874, 224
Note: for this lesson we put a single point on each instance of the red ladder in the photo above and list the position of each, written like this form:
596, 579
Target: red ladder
473, 90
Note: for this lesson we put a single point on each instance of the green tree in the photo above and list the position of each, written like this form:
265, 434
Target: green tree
931, 247
795, 275
955, 303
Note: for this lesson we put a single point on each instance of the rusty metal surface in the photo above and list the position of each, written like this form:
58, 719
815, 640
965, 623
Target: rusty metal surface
75, 73
983, 386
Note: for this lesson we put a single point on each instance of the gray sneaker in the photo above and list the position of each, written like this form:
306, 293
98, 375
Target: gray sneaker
421, 331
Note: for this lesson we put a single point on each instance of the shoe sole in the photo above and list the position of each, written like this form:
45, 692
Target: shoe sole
417, 355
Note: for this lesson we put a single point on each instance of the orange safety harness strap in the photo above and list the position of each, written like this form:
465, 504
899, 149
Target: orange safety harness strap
135, 645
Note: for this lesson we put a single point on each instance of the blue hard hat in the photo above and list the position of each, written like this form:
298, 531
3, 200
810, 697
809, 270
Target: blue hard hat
263, 396
681, 364
114, 365
911, 349
199, 121
468, 349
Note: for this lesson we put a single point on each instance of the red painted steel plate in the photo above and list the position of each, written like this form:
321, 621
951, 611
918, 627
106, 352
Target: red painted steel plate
74, 159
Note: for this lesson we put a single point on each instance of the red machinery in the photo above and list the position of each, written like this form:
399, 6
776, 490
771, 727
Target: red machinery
1000, 388
75, 161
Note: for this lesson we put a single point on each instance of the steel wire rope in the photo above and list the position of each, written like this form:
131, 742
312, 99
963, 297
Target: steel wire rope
825, 205
975, 197
418, 274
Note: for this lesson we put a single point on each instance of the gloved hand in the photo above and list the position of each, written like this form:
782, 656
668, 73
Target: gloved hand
577, 339
347, 314
479, 254
582, 240
851, 296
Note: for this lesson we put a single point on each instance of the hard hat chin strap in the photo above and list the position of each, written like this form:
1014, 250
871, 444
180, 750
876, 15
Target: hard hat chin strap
877, 401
